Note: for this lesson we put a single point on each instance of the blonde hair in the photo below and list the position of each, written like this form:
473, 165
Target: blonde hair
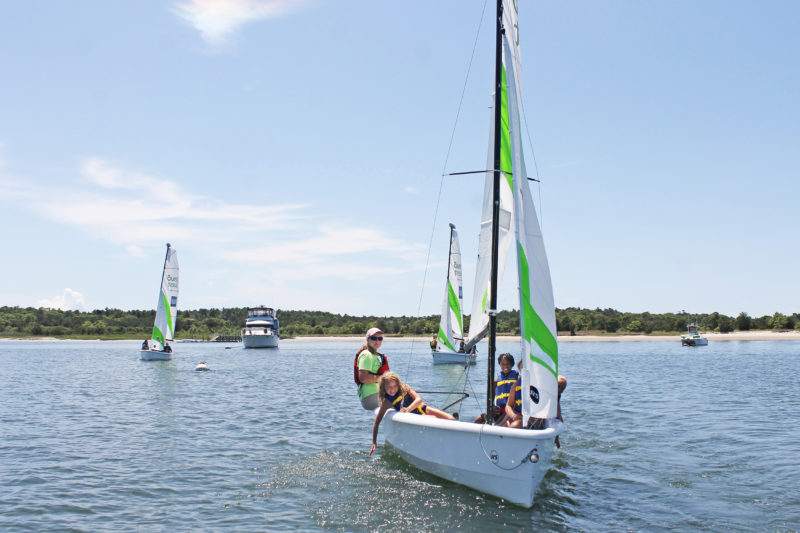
385, 378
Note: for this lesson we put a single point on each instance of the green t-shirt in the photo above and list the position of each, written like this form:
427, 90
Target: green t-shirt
371, 363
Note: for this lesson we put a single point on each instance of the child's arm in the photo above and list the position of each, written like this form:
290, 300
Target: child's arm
384, 406
414, 404
512, 399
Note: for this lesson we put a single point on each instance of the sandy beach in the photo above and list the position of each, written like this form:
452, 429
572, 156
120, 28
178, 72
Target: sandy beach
735, 336
793, 335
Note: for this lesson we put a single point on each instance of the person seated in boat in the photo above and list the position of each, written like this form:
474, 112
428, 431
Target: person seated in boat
167, 347
540, 423
370, 364
434, 341
502, 387
513, 408
144, 345
461, 347
394, 394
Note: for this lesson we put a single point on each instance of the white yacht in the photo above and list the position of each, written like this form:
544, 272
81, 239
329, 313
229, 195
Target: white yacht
693, 337
261, 330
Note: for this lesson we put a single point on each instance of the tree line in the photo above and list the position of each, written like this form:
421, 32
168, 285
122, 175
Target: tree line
203, 324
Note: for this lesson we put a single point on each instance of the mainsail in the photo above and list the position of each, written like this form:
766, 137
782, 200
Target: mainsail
451, 325
537, 308
167, 307
479, 319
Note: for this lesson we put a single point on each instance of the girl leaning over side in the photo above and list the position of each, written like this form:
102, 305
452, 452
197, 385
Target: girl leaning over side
394, 394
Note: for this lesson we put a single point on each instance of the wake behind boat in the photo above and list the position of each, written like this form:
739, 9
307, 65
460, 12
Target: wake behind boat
157, 347
261, 329
505, 462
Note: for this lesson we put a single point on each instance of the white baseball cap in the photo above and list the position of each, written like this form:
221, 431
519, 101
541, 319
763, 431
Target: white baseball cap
373, 331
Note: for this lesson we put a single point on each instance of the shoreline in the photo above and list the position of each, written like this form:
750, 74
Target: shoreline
793, 335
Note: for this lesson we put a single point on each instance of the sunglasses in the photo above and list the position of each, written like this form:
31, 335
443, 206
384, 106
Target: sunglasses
375, 338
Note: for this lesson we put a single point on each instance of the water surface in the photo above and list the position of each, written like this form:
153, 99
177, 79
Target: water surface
658, 437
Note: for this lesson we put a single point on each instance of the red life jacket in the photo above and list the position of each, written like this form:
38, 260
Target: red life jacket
384, 366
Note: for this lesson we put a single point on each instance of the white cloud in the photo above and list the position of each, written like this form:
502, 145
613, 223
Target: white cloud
216, 20
131, 210
68, 300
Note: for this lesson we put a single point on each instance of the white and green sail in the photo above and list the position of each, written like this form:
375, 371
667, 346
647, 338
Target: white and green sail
537, 308
167, 307
479, 318
451, 327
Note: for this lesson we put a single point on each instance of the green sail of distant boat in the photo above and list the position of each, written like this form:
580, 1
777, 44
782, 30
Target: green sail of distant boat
167, 306
451, 328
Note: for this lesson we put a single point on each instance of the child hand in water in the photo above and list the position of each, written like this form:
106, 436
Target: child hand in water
394, 394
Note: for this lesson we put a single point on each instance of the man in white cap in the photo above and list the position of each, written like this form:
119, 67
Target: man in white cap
371, 364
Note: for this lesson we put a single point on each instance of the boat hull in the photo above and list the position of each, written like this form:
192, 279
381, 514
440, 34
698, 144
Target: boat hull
154, 355
490, 459
453, 358
701, 341
260, 341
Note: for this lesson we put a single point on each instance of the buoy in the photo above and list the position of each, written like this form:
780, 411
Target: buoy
202, 366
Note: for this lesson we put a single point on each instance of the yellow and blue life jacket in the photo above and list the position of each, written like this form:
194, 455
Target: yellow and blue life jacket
504, 384
401, 399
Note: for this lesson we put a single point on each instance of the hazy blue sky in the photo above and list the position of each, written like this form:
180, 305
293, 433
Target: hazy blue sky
291, 151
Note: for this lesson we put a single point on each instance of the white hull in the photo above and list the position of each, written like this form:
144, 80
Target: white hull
490, 459
453, 358
155, 355
260, 341
694, 341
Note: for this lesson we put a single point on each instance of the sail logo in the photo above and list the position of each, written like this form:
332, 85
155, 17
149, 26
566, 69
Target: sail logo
172, 281
173, 302
534, 394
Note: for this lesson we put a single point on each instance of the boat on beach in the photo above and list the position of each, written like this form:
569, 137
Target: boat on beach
449, 344
693, 337
261, 329
508, 463
157, 348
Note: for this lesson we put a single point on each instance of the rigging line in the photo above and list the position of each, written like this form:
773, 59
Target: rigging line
441, 180
535, 164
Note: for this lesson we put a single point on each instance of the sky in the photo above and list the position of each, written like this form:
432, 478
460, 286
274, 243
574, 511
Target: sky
293, 152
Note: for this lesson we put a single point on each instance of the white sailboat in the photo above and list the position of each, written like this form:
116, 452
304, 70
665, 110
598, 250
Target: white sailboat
505, 462
157, 347
449, 347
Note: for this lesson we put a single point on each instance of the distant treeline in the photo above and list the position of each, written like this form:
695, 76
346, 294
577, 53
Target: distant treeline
205, 323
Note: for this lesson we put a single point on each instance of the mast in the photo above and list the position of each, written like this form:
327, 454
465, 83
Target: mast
498, 114
160, 290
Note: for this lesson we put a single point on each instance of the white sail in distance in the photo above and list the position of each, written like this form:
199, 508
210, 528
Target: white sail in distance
537, 307
167, 306
451, 329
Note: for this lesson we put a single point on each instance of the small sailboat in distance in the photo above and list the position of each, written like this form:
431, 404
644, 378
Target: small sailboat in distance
157, 348
449, 345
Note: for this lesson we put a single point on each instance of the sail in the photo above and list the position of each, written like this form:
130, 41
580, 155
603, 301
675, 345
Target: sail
537, 308
167, 307
451, 325
479, 318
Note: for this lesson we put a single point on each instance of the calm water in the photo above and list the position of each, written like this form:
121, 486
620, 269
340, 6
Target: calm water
658, 437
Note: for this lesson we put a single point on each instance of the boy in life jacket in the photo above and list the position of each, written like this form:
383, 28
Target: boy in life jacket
394, 394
